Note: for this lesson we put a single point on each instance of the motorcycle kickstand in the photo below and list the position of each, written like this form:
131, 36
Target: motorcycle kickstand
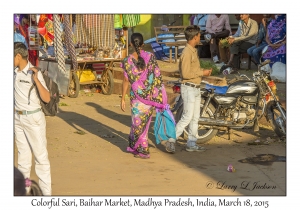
256, 126
229, 131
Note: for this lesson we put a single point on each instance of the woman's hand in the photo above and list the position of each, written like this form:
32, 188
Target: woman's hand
276, 46
123, 104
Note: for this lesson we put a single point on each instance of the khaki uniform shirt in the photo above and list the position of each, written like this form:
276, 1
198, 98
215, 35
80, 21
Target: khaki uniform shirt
189, 65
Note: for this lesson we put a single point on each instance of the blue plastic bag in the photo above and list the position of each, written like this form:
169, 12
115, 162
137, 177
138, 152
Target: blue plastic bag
164, 125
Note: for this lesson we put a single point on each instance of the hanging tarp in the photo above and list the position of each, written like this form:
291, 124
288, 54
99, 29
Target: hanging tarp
95, 30
118, 23
131, 20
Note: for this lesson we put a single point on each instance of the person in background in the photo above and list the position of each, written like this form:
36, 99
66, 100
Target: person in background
200, 20
191, 75
223, 51
29, 120
147, 92
255, 51
17, 36
24, 25
244, 41
218, 27
276, 52
191, 19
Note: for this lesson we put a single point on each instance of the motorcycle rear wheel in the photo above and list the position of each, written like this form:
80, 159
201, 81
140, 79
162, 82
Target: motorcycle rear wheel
205, 133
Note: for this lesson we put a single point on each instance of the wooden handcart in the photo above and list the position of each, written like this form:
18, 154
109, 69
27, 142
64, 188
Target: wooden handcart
106, 80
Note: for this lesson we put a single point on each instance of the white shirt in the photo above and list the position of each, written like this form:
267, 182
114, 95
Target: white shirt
22, 83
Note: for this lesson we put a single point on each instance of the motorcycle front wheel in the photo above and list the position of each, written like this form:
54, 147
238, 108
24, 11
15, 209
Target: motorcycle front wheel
276, 119
205, 133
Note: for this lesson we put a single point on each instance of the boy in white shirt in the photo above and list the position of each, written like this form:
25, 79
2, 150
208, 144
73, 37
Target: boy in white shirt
30, 123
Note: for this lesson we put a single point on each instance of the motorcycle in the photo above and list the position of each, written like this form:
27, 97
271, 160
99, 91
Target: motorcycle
245, 101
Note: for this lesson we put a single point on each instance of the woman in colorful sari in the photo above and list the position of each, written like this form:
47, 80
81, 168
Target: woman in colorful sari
276, 53
147, 93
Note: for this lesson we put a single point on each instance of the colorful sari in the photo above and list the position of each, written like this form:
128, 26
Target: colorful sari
147, 93
276, 33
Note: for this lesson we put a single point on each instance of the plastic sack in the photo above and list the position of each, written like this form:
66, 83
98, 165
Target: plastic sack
164, 125
218, 89
278, 72
86, 75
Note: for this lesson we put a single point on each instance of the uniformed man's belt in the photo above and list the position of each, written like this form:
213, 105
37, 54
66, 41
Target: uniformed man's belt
27, 112
191, 85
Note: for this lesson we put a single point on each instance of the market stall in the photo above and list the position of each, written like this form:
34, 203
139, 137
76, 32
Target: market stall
81, 50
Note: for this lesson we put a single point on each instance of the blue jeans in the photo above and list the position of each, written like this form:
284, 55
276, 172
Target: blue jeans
191, 112
255, 52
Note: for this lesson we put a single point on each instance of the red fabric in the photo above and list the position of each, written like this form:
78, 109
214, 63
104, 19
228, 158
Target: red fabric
32, 54
99, 67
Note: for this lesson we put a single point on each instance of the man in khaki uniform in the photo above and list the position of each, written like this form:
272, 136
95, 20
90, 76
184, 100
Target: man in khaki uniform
191, 75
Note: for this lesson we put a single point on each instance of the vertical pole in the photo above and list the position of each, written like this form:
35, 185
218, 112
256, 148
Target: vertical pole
126, 35
170, 54
176, 52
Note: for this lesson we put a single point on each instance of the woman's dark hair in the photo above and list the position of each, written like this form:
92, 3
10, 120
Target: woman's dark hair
191, 31
137, 41
20, 184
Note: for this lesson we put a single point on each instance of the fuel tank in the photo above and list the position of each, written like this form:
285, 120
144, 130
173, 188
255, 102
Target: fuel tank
242, 87
245, 88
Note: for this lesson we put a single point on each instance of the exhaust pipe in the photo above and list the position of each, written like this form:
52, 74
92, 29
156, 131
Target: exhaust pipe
214, 122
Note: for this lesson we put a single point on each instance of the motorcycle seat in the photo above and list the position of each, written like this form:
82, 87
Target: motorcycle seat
220, 90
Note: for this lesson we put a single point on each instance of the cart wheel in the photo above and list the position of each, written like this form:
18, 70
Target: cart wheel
108, 83
74, 86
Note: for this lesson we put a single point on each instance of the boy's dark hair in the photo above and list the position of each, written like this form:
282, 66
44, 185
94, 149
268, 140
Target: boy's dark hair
191, 31
20, 48
137, 41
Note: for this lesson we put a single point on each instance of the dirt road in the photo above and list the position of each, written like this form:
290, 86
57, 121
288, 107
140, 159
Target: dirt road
87, 144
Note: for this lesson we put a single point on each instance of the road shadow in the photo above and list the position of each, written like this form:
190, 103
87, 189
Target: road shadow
212, 163
81, 122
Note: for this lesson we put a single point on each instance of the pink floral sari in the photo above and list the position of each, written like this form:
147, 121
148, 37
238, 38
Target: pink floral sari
147, 93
